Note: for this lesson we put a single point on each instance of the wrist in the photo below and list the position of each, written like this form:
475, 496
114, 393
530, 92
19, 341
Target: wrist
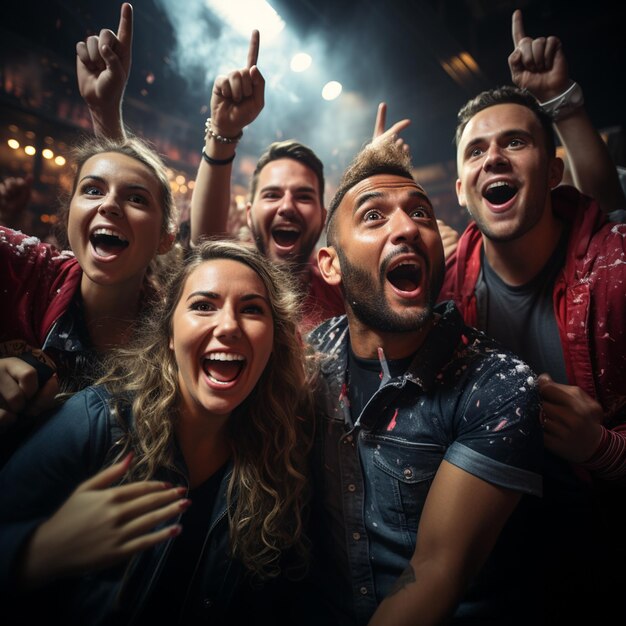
565, 103
214, 133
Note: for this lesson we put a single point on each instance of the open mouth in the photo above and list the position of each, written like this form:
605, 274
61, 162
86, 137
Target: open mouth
285, 237
405, 277
499, 193
223, 368
107, 242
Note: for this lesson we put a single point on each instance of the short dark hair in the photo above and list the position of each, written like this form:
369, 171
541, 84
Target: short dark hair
289, 149
506, 94
382, 157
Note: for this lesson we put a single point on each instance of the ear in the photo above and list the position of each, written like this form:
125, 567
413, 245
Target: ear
171, 344
459, 193
167, 241
328, 262
557, 167
248, 215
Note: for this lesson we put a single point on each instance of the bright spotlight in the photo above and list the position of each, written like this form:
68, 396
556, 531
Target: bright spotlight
59, 160
46, 153
301, 62
30, 150
14, 144
331, 90
246, 15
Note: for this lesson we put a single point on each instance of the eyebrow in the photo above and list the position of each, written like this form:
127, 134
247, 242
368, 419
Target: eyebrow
102, 180
307, 188
212, 295
361, 200
511, 132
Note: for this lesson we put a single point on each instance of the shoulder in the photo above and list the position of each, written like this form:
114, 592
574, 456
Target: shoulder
330, 334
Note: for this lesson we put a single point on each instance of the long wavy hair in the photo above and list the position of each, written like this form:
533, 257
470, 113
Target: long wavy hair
270, 433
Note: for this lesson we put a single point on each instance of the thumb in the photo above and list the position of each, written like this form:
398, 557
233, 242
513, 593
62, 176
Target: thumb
544, 379
107, 476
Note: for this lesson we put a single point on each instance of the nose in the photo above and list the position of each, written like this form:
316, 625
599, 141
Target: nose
494, 158
287, 204
227, 324
403, 227
110, 206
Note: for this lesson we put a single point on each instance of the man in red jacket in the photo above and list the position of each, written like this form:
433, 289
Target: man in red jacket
541, 270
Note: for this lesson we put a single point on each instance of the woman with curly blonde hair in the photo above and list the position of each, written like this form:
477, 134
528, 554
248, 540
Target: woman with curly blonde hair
202, 426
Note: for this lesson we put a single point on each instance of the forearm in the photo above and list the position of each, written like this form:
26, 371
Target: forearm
210, 200
593, 171
107, 122
424, 595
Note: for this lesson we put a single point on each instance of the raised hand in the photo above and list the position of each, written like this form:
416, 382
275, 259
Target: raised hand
102, 68
238, 98
380, 134
100, 525
538, 65
571, 421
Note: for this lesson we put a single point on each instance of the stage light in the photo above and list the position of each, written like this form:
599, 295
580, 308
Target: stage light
13, 143
246, 15
331, 90
300, 62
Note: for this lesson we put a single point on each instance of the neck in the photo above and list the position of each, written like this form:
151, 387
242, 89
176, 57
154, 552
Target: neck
204, 443
519, 261
366, 341
109, 312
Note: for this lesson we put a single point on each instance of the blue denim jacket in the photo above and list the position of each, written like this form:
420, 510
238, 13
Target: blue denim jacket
69, 448
463, 399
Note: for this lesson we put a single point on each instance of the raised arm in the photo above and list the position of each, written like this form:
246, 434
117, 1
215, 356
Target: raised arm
462, 518
540, 66
236, 101
102, 68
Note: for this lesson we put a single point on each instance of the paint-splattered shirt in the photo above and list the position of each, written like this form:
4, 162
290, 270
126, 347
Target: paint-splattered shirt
462, 399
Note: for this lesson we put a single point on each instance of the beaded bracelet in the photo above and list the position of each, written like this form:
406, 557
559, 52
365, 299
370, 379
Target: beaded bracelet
209, 133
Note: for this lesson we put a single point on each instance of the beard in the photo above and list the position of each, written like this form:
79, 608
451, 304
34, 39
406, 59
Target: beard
366, 297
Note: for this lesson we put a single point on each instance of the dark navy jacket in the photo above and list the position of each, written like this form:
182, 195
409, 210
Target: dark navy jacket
71, 446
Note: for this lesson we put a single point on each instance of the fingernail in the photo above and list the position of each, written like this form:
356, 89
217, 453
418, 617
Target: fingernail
175, 530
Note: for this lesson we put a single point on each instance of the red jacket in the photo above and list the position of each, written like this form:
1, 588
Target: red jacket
37, 284
590, 308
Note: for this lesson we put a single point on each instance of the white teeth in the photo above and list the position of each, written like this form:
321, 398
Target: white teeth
225, 356
499, 183
109, 232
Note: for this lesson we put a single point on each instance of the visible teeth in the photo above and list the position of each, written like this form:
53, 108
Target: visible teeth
287, 229
225, 356
109, 232
499, 183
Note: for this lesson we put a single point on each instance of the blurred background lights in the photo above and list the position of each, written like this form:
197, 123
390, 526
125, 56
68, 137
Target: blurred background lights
30, 150
59, 160
46, 153
300, 62
331, 90
13, 144
246, 15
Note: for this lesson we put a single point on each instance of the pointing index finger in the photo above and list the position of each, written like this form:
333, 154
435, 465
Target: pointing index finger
253, 50
517, 27
125, 27
381, 118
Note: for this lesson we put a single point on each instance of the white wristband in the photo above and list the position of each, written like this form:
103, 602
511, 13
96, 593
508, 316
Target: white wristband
561, 106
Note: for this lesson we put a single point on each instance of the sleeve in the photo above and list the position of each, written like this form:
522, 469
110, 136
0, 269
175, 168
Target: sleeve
499, 437
45, 470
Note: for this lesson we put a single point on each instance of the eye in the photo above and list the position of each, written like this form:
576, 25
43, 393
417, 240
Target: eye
202, 306
91, 190
372, 215
475, 151
306, 198
253, 309
420, 213
270, 195
137, 198
516, 143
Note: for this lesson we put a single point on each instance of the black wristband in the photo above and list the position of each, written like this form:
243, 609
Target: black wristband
212, 161
44, 371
